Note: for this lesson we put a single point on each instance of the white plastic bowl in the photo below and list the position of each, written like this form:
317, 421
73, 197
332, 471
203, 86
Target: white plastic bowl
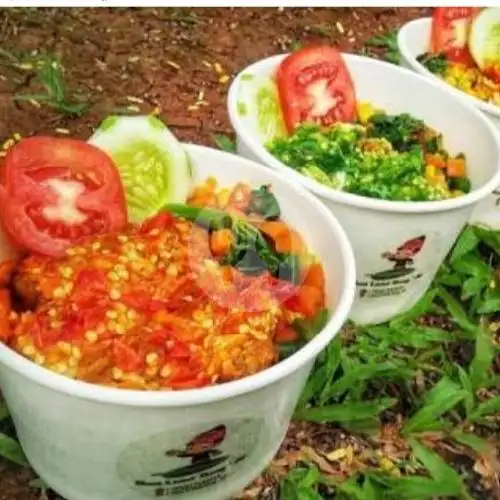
376, 227
92, 443
413, 40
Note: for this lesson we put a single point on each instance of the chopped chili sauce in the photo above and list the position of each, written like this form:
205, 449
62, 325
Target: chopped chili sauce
149, 308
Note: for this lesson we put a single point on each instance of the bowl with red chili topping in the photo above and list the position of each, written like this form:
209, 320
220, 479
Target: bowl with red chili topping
163, 353
401, 173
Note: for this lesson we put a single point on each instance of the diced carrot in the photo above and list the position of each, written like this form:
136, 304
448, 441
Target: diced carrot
274, 229
315, 276
310, 300
221, 241
435, 159
5, 309
456, 167
286, 239
290, 242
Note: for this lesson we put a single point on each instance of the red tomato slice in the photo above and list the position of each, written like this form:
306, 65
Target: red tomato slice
450, 32
54, 191
314, 85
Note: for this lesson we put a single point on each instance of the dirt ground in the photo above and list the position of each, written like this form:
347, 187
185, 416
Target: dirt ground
173, 61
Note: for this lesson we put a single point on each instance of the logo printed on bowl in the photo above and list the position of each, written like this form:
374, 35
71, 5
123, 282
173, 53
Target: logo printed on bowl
180, 462
396, 280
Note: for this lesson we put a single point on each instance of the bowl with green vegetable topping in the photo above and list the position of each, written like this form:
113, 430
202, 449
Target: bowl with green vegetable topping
163, 312
459, 48
383, 148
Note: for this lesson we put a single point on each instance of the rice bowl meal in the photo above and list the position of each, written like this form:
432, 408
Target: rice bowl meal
458, 48
382, 148
464, 50
199, 293
348, 145
138, 319
381, 156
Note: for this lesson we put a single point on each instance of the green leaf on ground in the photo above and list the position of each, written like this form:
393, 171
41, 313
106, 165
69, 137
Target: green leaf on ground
467, 242
344, 412
11, 450
445, 395
479, 369
224, 142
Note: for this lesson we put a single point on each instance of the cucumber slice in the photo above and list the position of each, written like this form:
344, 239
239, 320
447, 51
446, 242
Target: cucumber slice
484, 38
258, 104
154, 168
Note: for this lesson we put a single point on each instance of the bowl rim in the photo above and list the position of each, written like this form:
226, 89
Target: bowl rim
193, 397
413, 207
420, 68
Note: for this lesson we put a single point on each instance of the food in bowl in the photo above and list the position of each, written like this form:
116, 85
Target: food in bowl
206, 291
352, 146
464, 50
387, 157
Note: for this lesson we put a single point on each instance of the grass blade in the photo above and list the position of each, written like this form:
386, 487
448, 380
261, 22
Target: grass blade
420, 308
225, 143
467, 242
471, 440
441, 399
479, 369
436, 466
489, 237
301, 484
32, 97
418, 488
457, 312
387, 40
487, 408
344, 412
357, 375
333, 359
323, 373
491, 303
11, 450
469, 400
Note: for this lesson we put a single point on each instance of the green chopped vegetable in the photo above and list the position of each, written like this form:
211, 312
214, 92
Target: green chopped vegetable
332, 149
263, 202
402, 130
384, 159
435, 63
250, 252
461, 184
